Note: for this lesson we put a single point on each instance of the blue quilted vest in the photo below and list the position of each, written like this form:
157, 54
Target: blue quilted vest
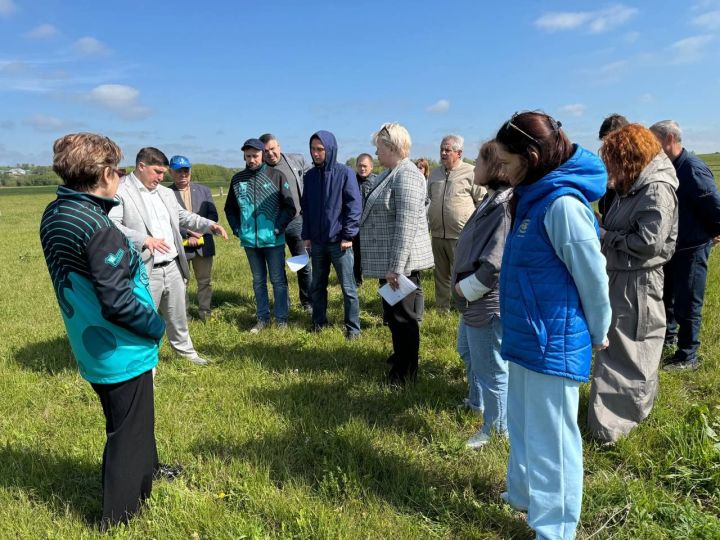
544, 327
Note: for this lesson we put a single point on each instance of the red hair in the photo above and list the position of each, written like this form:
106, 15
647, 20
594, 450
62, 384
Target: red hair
626, 152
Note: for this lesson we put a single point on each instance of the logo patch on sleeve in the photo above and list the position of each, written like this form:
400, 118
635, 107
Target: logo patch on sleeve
113, 259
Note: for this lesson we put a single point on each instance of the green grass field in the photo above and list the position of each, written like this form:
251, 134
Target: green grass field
292, 435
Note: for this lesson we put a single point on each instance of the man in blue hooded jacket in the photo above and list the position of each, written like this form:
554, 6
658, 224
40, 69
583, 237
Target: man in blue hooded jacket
331, 206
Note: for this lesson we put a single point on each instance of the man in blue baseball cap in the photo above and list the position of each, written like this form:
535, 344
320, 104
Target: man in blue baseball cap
199, 248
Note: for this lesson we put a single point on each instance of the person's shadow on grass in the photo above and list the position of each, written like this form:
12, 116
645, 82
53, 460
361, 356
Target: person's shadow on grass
50, 356
61, 483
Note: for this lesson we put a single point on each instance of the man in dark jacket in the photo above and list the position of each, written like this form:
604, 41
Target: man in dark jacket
259, 207
293, 167
199, 248
366, 178
331, 206
698, 231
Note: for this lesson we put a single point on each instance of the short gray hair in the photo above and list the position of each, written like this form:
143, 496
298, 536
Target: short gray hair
664, 127
267, 137
458, 142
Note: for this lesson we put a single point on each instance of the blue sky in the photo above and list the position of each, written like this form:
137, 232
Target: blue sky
200, 78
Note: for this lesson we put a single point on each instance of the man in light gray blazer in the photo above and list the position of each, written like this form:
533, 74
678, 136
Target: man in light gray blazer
150, 216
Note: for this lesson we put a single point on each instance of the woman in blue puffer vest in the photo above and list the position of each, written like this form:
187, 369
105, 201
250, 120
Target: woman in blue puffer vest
555, 310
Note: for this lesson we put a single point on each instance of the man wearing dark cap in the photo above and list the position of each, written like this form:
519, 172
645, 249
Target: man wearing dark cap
259, 208
293, 167
199, 248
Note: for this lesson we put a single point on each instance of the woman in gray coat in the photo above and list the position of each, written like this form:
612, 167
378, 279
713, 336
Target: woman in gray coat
638, 238
475, 278
394, 240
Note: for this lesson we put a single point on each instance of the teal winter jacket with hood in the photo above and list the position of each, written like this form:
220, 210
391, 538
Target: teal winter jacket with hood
259, 207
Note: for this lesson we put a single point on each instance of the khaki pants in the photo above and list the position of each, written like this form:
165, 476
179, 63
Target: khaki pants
444, 254
202, 268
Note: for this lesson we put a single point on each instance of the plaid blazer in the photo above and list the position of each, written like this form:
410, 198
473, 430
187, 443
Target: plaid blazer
393, 227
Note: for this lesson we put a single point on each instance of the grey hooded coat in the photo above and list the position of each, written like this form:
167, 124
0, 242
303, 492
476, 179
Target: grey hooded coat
641, 230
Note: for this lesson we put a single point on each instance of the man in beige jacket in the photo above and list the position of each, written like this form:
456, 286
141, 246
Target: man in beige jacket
453, 198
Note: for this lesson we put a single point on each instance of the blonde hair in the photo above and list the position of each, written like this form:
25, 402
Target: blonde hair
395, 136
425, 164
80, 159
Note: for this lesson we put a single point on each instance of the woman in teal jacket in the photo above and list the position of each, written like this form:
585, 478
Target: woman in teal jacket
555, 310
114, 331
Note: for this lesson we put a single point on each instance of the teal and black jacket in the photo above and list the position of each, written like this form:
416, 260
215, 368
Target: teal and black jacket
102, 289
259, 207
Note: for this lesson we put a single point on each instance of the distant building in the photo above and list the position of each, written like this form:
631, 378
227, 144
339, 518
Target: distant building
16, 172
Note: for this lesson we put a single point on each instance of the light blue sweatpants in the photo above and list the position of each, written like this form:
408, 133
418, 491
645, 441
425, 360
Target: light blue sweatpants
545, 470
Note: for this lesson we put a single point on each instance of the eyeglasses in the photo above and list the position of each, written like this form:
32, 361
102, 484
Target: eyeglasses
119, 172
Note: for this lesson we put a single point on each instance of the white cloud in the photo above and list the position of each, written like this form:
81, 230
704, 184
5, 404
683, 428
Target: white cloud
612, 71
89, 46
121, 99
7, 8
631, 37
573, 109
44, 31
709, 21
50, 124
15, 68
440, 106
561, 21
594, 22
690, 50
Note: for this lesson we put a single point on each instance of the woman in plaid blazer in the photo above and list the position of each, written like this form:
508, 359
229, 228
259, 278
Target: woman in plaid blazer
394, 240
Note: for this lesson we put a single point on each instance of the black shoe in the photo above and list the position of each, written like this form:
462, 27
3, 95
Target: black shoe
167, 472
317, 328
691, 364
352, 336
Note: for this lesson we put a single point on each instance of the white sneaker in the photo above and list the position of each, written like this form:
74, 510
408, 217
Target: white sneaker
478, 440
198, 360
259, 327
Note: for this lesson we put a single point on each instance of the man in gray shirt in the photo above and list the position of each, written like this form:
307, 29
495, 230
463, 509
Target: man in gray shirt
293, 167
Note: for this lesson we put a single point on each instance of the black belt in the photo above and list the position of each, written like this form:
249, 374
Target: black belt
162, 264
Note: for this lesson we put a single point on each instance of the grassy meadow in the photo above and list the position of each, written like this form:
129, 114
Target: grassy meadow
293, 435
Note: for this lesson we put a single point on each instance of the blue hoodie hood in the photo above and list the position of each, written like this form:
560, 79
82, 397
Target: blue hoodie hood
330, 144
331, 201
584, 172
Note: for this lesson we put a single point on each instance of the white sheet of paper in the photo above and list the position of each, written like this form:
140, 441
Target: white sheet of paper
298, 262
393, 296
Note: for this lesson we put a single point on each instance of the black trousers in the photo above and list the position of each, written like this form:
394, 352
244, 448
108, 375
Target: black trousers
357, 264
403, 319
130, 454
294, 241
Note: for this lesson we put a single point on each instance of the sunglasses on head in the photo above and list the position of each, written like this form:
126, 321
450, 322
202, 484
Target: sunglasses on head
556, 125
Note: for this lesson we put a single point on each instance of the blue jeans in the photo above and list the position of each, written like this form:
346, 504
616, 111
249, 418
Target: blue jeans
684, 294
487, 372
321, 256
263, 261
545, 470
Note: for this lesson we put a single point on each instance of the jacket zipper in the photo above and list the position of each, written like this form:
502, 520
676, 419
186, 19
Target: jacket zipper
257, 239
442, 208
